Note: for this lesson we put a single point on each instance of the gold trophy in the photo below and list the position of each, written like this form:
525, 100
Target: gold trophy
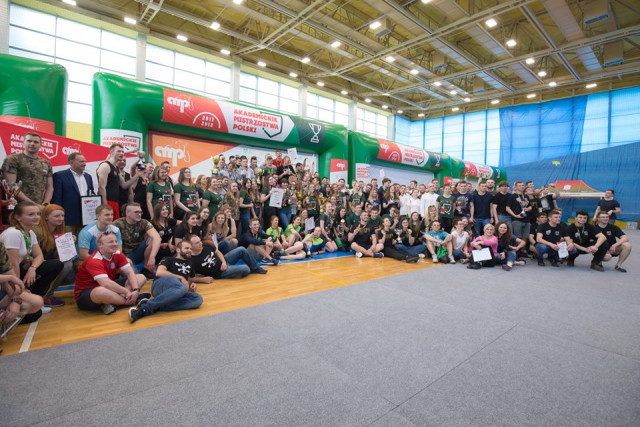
259, 172
216, 161
11, 191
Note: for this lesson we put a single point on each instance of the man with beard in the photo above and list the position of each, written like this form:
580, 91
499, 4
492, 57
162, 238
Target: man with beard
587, 240
174, 288
209, 262
619, 245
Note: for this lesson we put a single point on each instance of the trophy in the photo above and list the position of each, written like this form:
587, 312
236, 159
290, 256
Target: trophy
11, 191
300, 195
141, 164
259, 172
216, 161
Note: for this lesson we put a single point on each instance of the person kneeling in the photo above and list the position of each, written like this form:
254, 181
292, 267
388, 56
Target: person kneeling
173, 289
209, 262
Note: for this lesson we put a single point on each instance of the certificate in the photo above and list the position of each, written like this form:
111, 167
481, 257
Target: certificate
275, 201
88, 205
309, 224
66, 247
483, 254
563, 252
293, 153
214, 237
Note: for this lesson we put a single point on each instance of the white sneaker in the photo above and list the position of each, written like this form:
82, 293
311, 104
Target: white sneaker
358, 254
421, 256
452, 260
435, 258
46, 310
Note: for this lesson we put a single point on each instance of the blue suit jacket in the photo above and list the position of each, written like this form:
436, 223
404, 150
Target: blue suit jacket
67, 194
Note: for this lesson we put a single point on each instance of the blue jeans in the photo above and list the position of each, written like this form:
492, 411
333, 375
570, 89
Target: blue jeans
233, 257
458, 254
284, 215
511, 257
245, 217
480, 223
224, 246
169, 294
137, 255
545, 249
412, 250
507, 219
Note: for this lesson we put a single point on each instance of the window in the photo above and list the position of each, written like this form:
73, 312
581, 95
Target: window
268, 93
327, 109
371, 123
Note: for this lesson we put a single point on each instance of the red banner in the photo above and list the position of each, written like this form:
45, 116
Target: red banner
35, 124
195, 111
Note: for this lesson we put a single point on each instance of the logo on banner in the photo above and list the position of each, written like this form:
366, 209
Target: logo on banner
181, 101
49, 148
390, 151
437, 163
173, 153
315, 128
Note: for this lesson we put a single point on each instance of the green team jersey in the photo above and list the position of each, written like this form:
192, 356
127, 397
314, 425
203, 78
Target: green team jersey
446, 206
246, 200
215, 202
160, 193
274, 232
290, 227
188, 196
352, 218
375, 223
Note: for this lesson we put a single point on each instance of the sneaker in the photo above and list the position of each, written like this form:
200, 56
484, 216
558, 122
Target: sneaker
435, 258
617, 267
148, 274
108, 308
283, 253
53, 302
259, 270
275, 254
421, 256
505, 267
46, 310
378, 255
135, 313
143, 296
452, 260
541, 262
523, 262
141, 301
474, 266
358, 254
571, 262
597, 267
274, 261
411, 258
553, 262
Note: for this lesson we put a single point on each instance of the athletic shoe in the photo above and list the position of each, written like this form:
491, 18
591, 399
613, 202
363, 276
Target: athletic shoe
452, 260
108, 308
474, 266
274, 261
53, 302
553, 262
275, 254
541, 262
435, 258
505, 267
46, 310
421, 256
597, 267
378, 255
148, 274
411, 258
571, 262
617, 267
358, 254
259, 270
143, 296
136, 313
523, 262
283, 253
141, 301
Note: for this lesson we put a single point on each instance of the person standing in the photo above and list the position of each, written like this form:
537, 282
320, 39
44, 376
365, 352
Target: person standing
69, 186
499, 204
185, 195
35, 173
518, 207
110, 181
481, 208
609, 205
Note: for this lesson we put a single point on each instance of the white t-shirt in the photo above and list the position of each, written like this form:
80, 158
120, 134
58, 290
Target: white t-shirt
459, 240
428, 200
414, 205
405, 200
13, 239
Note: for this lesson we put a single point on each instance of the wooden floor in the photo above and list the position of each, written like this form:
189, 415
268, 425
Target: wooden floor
68, 324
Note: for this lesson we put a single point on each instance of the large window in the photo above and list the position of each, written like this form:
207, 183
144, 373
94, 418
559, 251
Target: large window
327, 109
267, 93
371, 123
38, 35
175, 69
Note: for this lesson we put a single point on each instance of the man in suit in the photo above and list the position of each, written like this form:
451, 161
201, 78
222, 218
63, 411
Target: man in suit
69, 186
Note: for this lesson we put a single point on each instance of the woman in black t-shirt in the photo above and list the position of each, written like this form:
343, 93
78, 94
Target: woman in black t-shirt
189, 226
508, 246
164, 225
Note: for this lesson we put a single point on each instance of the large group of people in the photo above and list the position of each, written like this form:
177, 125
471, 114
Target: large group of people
187, 232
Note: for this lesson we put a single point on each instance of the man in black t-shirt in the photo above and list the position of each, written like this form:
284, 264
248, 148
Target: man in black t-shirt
541, 218
363, 239
174, 288
587, 240
499, 204
548, 237
619, 245
518, 208
608, 205
481, 208
209, 262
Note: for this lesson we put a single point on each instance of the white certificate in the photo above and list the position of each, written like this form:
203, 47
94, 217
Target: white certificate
66, 247
275, 201
563, 252
88, 205
293, 153
309, 224
214, 237
483, 254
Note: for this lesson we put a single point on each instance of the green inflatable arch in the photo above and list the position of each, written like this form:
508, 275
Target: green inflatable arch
33, 93
129, 109
365, 150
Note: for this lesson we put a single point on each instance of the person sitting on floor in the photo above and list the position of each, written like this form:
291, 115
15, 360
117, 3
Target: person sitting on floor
258, 243
174, 287
439, 243
209, 262
363, 238
387, 237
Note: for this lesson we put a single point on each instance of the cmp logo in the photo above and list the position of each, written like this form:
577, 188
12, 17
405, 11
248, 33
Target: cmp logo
173, 153
182, 103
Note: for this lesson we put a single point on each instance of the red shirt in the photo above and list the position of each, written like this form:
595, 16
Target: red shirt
96, 267
278, 162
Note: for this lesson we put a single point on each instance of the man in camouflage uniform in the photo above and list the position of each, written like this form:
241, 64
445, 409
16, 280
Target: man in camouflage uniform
140, 241
35, 172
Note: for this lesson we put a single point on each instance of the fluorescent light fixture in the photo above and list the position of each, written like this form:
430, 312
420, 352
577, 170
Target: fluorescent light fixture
591, 85
399, 112
542, 73
437, 84
182, 38
511, 43
225, 51
415, 72
426, 1
237, 1
262, 64
453, 92
385, 106
491, 23
70, 2
553, 84
215, 25
320, 83
455, 109
466, 99
344, 92
375, 24
129, 20
421, 115
305, 60
495, 101
531, 95
390, 58
530, 61
367, 100
336, 44
292, 74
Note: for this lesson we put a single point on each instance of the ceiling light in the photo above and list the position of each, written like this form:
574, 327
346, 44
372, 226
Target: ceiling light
553, 84
455, 109
292, 74
399, 111
385, 106
421, 115
129, 20
237, 1
390, 58
531, 95
367, 100
414, 71
542, 73
225, 51
320, 83
375, 24
70, 2
495, 101
511, 43
182, 38
491, 23
215, 25
453, 92
466, 99
262, 64
530, 61
426, 1
344, 92
336, 44
437, 84
305, 60
591, 85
